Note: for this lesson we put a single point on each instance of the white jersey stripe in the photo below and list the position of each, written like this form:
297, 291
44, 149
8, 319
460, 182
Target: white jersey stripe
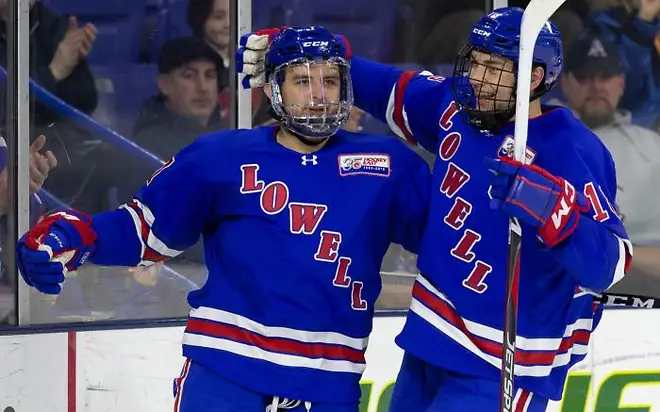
457, 335
516, 398
522, 401
254, 352
496, 335
625, 249
152, 240
138, 227
180, 383
389, 115
329, 338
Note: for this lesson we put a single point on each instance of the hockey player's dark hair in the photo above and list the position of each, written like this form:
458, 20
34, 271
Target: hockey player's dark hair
198, 12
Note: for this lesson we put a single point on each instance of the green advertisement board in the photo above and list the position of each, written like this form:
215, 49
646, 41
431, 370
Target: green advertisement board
607, 393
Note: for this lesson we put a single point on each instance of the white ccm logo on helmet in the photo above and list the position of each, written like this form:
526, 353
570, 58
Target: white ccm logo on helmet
315, 43
481, 32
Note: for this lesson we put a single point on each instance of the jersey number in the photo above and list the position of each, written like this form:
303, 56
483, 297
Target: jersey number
600, 214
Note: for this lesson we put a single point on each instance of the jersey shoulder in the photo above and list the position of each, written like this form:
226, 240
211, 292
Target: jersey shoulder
214, 149
209, 158
236, 139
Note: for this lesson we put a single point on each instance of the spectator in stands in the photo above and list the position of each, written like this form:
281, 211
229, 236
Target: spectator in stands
58, 48
186, 106
569, 24
40, 164
635, 27
593, 83
209, 21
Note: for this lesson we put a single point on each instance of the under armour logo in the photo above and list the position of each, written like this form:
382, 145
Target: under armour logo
597, 49
311, 160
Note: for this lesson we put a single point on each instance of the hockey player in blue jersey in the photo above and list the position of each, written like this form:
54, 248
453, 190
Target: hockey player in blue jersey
573, 241
295, 220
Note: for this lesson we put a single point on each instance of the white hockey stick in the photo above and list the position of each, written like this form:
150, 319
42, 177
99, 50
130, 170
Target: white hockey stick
536, 15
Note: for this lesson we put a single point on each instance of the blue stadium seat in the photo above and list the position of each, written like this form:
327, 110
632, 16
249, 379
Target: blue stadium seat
372, 125
177, 19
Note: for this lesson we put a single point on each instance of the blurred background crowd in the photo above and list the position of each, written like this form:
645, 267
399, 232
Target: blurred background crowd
155, 73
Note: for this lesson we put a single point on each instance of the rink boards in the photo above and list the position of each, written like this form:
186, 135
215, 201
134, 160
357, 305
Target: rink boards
120, 370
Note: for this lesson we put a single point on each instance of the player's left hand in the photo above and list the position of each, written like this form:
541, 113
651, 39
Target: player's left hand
250, 56
537, 198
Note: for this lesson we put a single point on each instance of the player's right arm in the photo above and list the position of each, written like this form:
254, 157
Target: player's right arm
409, 102
167, 216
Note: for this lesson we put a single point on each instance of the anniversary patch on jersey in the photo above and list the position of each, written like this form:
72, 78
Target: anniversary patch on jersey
376, 164
506, 150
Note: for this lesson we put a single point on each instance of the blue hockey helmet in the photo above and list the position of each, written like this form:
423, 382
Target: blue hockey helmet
498, 34
308, 70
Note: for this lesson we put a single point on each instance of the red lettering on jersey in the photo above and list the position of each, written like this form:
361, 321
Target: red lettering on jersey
328, 246
600, 214
449, 145
454, 179
305, 217
463, 250
160, 169
458, 213
249, 183
357, 303
274, 198
342, 279
445, 119
475, 282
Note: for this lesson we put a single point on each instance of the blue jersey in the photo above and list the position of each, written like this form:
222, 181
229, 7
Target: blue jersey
457, 312
293, 245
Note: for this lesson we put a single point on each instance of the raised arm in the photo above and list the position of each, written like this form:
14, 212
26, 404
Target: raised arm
410, 102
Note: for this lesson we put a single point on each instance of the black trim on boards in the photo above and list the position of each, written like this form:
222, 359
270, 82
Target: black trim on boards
123, 324
108, 325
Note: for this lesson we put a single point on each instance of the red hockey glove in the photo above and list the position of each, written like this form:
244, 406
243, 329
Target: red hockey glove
60, 243
537, 198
